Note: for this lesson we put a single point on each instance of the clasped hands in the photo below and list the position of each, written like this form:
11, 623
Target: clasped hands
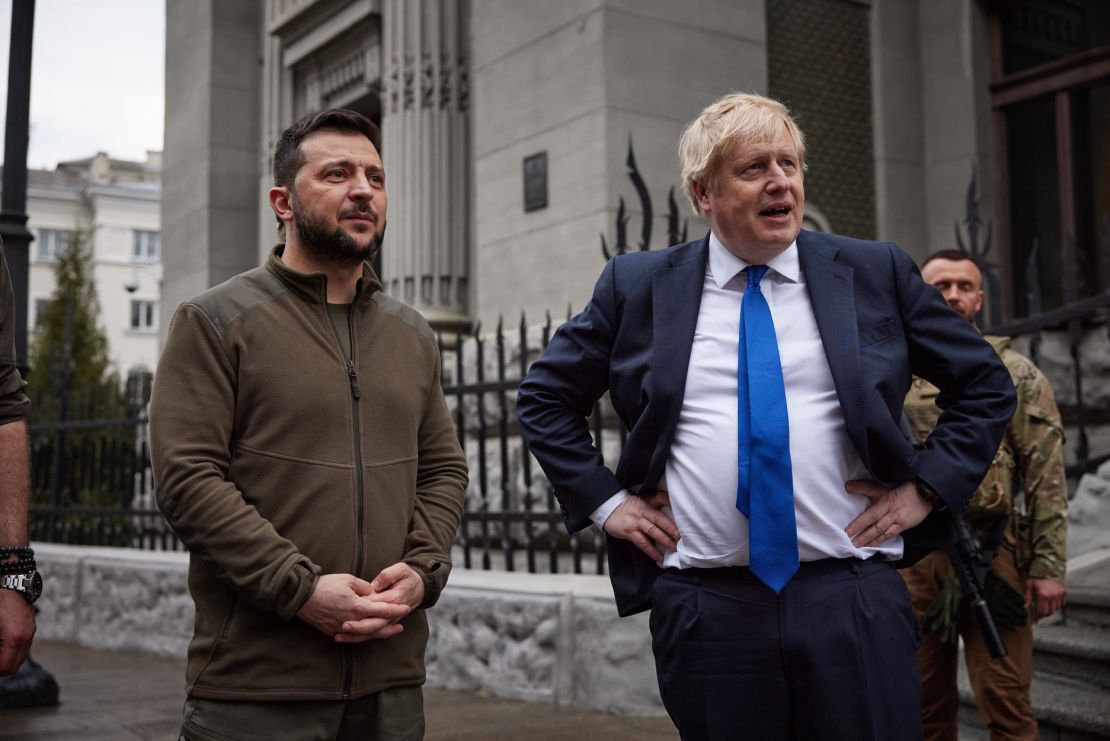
353, 610
889, 513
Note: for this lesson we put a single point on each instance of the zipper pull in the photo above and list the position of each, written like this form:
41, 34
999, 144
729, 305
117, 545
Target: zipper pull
352, 374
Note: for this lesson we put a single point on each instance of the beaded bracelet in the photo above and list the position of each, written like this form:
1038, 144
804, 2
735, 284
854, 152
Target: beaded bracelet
22, 551
25, 566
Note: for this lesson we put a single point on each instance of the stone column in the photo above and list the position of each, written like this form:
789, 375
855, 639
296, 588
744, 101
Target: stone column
426, 253
210, 164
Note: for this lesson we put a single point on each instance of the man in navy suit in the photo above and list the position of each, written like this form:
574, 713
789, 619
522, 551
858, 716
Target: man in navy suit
765, 490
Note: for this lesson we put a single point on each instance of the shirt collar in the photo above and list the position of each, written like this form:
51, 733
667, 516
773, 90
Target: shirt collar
724, 266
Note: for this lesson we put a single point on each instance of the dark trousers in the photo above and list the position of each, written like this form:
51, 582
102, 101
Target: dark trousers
830, 657
393, 714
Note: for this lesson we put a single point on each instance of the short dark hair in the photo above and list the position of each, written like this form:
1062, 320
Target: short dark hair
953, 255
288, 157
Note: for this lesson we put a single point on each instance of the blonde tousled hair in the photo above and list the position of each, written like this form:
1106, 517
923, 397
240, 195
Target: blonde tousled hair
737, 117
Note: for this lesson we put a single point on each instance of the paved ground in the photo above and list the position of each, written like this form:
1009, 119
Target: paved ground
107, 696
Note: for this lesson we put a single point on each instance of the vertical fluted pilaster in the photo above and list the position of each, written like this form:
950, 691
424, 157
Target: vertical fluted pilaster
425, 259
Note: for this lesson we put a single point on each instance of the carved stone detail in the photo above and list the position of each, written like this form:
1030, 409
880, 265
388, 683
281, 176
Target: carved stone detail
427, 81
444, 81
394, 88
346, 72
464, 85
409, 77
425, 150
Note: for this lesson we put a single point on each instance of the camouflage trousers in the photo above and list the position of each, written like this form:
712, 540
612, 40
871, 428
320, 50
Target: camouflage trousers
1001, 686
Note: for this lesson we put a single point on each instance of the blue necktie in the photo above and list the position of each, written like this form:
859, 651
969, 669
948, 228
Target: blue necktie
765, 492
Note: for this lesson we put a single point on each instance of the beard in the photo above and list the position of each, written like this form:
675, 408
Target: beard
335, 247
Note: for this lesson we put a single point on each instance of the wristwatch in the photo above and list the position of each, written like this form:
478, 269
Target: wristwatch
939, 505
29, 585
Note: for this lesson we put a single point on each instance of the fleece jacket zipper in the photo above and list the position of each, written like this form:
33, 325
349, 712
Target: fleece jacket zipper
352, 377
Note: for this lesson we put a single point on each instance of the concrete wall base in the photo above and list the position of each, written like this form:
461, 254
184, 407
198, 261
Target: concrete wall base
546, 637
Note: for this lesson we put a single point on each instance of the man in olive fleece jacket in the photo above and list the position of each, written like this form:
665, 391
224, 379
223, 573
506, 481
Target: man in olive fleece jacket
304, 453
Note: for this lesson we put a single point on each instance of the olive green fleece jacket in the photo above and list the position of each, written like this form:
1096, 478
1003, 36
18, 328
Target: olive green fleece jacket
276, 461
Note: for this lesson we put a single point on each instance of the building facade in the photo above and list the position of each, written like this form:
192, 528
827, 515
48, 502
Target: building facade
508, 127
115, 206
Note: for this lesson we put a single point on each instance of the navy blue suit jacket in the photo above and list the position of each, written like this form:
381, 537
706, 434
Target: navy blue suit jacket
879, 323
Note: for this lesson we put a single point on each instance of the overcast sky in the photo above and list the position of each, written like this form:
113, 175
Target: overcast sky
97, 78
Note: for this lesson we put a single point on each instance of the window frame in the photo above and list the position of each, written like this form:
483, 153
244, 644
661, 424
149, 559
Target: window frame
146, 245
1060, 79
42, 306
136, 312
54, 238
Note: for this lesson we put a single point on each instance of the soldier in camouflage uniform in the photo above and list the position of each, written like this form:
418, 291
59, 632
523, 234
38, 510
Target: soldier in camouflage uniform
1022, 503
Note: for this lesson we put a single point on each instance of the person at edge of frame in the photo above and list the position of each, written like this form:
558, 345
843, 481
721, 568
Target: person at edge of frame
1018, 513
765, 491
303, 451
17, 616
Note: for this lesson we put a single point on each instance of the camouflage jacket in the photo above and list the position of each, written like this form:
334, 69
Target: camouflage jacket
1029, 463
13, 402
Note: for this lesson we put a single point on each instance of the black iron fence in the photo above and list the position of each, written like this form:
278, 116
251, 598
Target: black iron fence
511, 520
1080, 374
91, 481
90, 469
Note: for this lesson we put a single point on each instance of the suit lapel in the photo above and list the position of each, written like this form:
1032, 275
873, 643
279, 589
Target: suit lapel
830, 285
676, 297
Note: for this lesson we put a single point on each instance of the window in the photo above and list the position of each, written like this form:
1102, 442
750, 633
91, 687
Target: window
144, 245
53, 243
1051, 98
42, 305
1040, 32
144, 315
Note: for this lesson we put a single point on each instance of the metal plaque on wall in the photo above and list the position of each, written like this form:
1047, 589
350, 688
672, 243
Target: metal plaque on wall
535, 182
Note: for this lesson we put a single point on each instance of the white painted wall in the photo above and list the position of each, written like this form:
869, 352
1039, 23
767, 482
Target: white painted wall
109, 212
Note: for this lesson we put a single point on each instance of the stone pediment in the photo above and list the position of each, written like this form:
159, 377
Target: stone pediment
329, 53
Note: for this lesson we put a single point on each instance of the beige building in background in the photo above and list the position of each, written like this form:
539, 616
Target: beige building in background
116, 204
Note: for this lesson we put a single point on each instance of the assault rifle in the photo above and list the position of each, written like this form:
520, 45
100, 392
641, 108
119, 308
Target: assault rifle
967, 559
971, 565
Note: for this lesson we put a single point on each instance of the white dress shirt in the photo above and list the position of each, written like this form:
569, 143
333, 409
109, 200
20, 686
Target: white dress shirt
701, 473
